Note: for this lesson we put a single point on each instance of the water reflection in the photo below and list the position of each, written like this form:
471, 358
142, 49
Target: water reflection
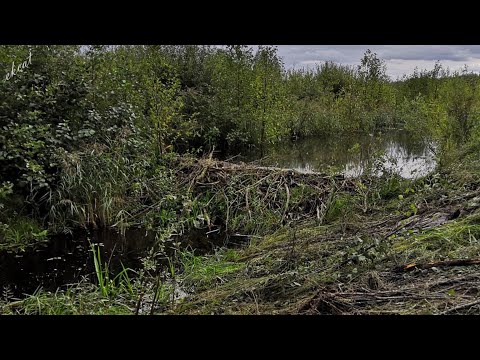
353, 155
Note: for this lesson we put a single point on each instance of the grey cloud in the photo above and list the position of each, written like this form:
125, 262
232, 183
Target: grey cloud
429, 52
400, 59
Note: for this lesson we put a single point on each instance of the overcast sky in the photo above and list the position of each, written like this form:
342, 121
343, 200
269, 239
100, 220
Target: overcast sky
400, 59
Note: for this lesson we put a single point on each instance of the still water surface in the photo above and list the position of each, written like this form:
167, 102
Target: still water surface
353, 155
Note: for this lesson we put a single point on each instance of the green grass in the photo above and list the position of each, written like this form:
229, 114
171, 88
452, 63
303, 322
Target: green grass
110, 287
21, 233
454, 240
80, 299
206, 271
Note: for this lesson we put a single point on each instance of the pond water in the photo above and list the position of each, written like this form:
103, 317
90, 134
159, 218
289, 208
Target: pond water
66, 259
353, 154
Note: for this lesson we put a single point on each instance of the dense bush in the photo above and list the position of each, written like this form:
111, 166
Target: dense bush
133, 105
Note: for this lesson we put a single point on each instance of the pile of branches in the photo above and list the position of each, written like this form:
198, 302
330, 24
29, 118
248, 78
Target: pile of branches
251, 189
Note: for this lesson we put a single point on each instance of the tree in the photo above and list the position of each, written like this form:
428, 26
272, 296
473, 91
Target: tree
268, 73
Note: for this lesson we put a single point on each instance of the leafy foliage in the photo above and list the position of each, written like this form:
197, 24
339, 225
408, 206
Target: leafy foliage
86, 132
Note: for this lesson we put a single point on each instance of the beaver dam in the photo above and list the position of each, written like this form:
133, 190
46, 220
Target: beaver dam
246, 239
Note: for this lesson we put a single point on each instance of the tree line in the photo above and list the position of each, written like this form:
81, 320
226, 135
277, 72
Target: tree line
145, 102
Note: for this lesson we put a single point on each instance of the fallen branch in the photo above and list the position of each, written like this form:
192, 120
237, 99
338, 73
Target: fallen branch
348, 302
458, 262
460, 307
443, 282
287, 202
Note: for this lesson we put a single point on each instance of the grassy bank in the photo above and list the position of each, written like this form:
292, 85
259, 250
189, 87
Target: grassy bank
356, 264
377, 246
